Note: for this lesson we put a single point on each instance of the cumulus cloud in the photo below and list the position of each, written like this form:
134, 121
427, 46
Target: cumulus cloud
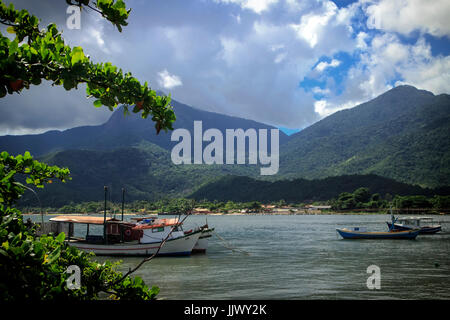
167, 80
313, 25
407, 16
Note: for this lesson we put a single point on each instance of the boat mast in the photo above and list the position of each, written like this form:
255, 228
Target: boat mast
123, 200
104, 218
393, 220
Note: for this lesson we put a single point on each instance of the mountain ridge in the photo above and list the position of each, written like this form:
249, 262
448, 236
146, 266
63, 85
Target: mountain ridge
375, 131
402, 135
122, 131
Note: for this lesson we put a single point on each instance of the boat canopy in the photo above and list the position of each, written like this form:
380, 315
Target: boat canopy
82, 219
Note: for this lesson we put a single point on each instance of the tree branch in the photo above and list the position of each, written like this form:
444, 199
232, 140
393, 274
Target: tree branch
151, 257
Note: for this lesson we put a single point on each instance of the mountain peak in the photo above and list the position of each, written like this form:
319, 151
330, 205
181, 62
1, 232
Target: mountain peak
406, 88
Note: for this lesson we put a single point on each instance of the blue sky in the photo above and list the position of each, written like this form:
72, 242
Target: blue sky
286, 63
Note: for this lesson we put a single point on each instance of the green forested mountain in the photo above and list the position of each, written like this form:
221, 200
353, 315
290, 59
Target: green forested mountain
241, 189
124, 131
145, 171
403, 134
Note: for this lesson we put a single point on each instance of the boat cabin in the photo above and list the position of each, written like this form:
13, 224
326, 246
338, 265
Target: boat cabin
417, 222
156, 230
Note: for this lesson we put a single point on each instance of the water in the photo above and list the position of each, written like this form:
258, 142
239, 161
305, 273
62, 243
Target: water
300, 257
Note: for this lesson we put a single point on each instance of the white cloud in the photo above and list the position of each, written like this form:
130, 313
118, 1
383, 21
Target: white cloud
361, 40
385, 60
167, 80
257, 6
413, 63
321, 66
312, 25
406, 16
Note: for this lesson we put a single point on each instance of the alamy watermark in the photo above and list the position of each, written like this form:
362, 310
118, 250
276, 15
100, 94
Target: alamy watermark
74, 20
74, 280
374, 281
213, 153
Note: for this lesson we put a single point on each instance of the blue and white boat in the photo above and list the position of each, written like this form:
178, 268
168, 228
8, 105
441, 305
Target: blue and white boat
362, 233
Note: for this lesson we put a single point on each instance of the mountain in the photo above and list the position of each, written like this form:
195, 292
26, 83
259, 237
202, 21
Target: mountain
124, 131
403, 134
244, 189
145, 171
126, 152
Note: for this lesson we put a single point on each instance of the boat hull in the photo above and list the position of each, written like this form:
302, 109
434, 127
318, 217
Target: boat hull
202, 243
423, 230
181, 246
408, 235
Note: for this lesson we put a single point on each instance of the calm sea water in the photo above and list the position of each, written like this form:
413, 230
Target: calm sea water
300, 257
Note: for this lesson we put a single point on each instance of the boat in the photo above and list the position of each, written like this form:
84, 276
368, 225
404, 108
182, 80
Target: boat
202, 243
424, 224
122, 238
362, 233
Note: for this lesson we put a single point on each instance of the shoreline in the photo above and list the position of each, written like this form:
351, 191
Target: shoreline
238, 214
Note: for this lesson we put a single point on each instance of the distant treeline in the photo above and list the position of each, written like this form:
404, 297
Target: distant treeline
244, 189
360, 199
164, 206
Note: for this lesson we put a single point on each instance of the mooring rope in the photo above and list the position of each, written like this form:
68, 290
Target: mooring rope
230, 247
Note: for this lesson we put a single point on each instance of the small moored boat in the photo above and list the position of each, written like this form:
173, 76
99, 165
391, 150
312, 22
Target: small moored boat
202, 243
362, 233
424, 224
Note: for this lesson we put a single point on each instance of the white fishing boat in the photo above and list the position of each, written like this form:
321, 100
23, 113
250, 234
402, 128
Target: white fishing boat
122, 238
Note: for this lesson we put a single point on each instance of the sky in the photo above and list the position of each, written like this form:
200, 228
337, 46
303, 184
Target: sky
286, 63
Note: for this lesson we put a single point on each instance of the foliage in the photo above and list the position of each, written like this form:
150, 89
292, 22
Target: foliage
176, 206
37, 174
31, 267
45, 56
34, 268
359, 199
415, 201
441, 202
244, 189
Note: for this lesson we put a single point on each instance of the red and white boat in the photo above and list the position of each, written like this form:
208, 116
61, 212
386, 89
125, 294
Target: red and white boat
121, 238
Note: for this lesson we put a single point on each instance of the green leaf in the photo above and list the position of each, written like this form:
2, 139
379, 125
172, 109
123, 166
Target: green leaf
3, 252
10, 30
5, 245
60, 238
13, 46
97, 103
68, 84
53, 256
77, 55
